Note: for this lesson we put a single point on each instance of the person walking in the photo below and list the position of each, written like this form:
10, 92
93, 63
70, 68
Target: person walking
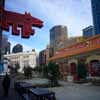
6, 84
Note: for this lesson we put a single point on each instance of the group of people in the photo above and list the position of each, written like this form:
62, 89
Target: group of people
6, 84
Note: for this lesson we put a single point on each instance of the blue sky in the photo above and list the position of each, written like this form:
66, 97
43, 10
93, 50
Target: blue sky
75, 14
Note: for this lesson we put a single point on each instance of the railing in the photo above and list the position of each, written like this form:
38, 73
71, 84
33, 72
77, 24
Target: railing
27, 92
78, 48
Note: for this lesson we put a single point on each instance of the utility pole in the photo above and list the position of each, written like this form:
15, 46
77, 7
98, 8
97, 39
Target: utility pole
2, 4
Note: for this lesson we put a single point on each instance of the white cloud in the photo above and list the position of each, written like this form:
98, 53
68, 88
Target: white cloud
76, 14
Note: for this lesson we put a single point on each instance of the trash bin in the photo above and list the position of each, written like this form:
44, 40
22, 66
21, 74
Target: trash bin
41, 94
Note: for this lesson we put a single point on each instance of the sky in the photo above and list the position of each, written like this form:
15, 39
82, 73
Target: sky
75, 14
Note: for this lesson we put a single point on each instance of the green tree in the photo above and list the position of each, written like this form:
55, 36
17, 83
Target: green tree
17, 67
82, 70
28, 72
36, 69
45, 71
53, 70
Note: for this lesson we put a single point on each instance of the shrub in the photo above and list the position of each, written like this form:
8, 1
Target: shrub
82, 70
28, 72
17, 67
53, 70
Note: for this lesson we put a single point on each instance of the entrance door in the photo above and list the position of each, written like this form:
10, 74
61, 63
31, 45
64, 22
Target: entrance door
95, 68
73, 68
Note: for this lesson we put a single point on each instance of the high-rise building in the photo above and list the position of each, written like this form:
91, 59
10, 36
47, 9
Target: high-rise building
88, 32
96, 15
5, 45
17, 48
42, 57
7, 49
58, 34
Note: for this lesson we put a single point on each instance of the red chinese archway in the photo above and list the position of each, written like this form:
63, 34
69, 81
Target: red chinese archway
25, 21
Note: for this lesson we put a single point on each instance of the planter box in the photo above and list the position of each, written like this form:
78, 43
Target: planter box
81, 81
96, 81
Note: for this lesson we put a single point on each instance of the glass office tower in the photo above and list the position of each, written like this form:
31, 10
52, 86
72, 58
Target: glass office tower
96, 15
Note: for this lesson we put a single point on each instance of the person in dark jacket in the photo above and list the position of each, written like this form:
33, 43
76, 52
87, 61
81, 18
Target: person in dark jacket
6, 84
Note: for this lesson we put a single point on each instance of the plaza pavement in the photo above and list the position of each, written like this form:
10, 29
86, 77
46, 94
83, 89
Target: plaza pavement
71, 91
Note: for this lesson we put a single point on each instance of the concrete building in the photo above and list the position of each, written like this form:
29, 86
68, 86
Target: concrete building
59, 39
17, 48
47, 53
24, 59
88, 32
96, 15
58, 34
70, 41
42, 57
7, 49
4, 44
